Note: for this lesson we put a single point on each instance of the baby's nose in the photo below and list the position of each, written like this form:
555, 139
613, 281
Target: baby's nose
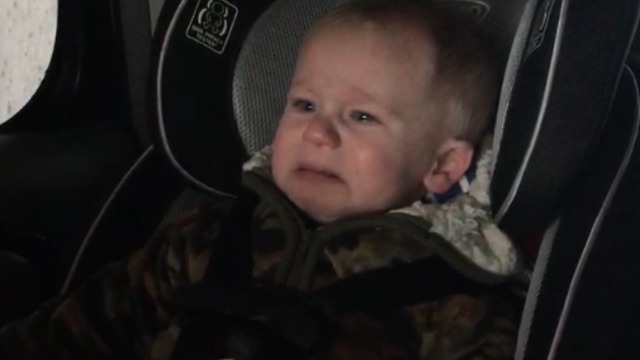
321, 132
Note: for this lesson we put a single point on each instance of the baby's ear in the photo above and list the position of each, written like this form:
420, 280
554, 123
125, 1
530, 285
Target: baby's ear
453, 158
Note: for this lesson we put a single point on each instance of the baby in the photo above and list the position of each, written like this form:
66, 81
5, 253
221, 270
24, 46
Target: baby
388, 102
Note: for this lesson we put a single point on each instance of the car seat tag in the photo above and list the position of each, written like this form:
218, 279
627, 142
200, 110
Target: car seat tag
212, 23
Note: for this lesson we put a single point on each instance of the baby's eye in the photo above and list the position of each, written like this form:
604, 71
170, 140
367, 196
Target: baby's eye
303, 105
364, 117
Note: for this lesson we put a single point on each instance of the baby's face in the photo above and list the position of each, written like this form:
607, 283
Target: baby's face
356, 135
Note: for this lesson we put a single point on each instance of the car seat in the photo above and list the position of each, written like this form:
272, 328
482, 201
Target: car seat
562, 143
67, 130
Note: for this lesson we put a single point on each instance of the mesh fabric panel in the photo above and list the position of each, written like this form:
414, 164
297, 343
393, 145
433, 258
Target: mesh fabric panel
265, 66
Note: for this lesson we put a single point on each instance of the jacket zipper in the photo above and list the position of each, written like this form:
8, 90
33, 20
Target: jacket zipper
299, 259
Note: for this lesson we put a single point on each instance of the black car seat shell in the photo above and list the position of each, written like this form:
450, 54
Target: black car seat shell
571, 79
201, 138
215, 99
583, 269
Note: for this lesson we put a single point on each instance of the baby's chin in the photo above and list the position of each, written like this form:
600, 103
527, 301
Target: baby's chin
323, 212
322, 209
320, 214
333, 205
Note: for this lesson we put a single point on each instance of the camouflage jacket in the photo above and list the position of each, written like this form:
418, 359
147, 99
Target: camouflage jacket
129, 309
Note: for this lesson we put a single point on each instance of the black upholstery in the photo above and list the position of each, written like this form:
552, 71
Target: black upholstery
610, 280
571, 311
601, 319
129, 217
557, 109
52, 186
16, 277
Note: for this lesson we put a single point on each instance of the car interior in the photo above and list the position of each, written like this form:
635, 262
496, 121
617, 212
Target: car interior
144, 110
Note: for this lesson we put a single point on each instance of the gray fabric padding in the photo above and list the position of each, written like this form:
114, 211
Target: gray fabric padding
265, 65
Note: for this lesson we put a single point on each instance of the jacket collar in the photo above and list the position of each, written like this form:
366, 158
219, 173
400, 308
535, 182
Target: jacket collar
464, 222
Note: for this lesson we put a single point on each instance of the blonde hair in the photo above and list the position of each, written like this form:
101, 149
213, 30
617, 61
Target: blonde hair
466, 79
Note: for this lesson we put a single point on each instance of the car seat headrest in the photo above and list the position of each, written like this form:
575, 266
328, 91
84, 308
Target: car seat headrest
222, 70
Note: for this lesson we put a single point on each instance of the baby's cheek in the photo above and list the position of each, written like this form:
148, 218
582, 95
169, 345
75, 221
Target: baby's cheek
403, 180
281, 149
381, 182
278, 164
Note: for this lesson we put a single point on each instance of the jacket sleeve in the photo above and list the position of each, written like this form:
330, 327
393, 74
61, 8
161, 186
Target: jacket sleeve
120, 310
